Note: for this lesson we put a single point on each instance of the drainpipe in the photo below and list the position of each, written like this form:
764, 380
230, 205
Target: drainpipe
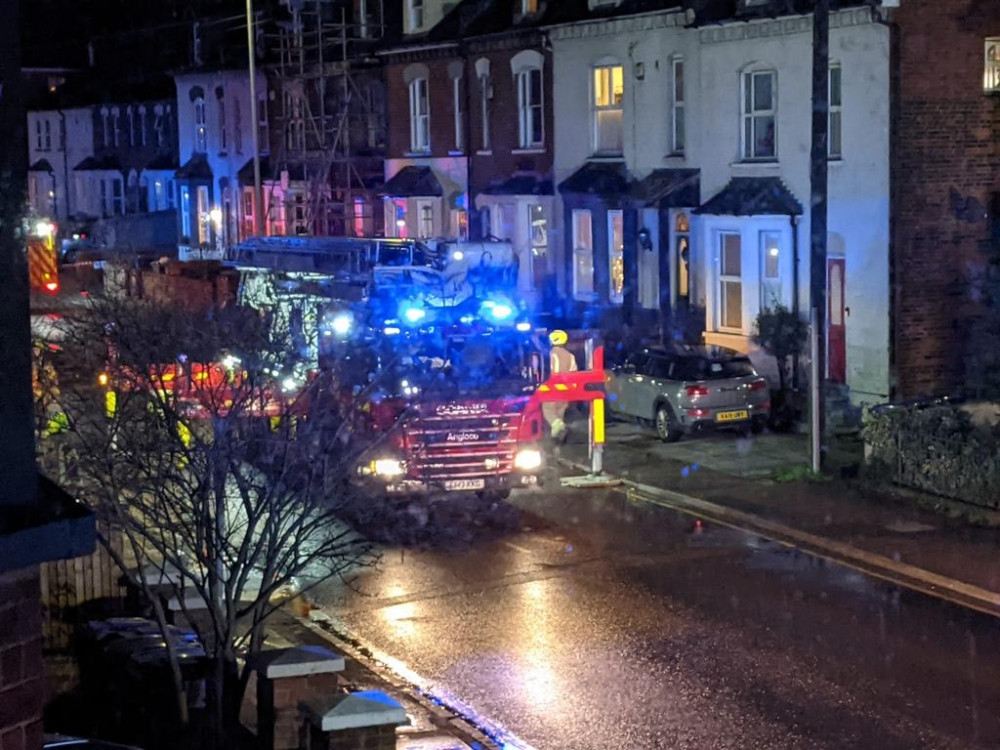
794, 221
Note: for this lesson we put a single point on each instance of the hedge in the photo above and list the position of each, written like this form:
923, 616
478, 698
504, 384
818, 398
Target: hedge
938, 450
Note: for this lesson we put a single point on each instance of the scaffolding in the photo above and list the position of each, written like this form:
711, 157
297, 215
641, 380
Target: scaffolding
327, 149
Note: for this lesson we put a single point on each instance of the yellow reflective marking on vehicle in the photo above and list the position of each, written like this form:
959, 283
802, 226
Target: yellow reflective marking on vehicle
599, 421
110, 403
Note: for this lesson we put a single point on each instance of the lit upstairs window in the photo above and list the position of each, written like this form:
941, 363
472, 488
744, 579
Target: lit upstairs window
991, 67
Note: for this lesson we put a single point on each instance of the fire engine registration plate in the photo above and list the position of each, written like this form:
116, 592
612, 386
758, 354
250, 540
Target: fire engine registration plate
731, 416
458, 485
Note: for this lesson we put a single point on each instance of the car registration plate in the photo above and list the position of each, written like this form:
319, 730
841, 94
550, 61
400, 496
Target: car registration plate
458, 485
731, 416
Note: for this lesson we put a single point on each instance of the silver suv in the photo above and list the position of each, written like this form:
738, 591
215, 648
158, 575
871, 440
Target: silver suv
680, 392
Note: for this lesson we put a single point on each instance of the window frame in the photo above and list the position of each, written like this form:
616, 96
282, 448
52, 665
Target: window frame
538, 241
391, 217
204, 213
677, 123
420, 121
835, 116
263, 126
116, 126
456, 94
200, 126
750, 116
528, 7
527, 109
223, 130
612, 106
991, 65
770, 282
425, 218
485, 98
616, 254
579, 249
143, 138
724, 279
237, 126
682, 243
415, 15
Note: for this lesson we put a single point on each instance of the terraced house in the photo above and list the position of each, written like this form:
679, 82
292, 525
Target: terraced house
688, 189
470, 129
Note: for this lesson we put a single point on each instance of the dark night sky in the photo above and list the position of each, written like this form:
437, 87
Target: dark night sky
56, 32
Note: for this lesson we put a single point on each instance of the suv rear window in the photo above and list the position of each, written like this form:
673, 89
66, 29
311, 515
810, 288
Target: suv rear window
696, 368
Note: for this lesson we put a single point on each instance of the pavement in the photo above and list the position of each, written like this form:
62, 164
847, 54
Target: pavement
729, 479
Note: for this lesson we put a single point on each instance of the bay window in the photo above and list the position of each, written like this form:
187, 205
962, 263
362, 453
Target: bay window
616, 255
730, 292
583, 255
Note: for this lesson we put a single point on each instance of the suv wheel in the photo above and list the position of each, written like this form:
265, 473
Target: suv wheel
666, 427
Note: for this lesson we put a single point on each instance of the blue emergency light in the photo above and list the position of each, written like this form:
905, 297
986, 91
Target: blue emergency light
414, 314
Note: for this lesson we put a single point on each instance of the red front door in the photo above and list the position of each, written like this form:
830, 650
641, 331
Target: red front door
836, 367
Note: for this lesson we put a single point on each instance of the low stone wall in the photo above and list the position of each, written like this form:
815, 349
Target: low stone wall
942, 450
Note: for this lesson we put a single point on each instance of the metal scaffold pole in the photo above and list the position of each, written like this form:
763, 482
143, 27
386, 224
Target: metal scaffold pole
258, 195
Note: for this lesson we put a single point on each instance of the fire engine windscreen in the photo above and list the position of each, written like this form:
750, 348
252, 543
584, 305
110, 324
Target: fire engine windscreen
484, 365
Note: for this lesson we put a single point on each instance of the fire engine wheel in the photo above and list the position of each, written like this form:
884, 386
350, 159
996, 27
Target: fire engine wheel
666, 426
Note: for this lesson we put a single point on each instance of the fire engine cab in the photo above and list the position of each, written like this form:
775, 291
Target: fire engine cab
452, 409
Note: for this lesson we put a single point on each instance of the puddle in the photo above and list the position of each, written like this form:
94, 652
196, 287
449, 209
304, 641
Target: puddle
908, 527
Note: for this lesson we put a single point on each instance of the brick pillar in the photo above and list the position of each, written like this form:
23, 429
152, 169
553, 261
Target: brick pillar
287, 677
359, 721
22, 680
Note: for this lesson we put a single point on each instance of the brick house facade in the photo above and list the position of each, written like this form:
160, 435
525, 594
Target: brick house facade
470, 133
946, 179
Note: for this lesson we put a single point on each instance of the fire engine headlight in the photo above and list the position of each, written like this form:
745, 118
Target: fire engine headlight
524, 326
388, 467
528, 459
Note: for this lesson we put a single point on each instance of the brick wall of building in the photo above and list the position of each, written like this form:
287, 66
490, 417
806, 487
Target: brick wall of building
503, 160
440, 96
945, 172
22, 682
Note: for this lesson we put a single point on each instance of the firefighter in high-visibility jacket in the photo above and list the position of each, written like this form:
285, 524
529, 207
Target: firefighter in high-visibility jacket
561, 359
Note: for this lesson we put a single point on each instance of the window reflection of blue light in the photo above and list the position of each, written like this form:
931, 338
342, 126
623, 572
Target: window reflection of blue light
391, 330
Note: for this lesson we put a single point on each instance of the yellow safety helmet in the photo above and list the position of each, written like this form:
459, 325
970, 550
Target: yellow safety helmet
558, 338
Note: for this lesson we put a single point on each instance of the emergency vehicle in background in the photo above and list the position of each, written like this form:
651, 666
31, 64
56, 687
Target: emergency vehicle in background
43, 261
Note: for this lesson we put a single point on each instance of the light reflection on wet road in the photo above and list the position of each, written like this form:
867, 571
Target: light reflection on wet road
580, 620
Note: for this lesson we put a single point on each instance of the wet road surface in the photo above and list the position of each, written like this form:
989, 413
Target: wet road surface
579, 620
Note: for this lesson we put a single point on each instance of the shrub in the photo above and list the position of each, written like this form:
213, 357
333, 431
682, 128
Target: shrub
782, 334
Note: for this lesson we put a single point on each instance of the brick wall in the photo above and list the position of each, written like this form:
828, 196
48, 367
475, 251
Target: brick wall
945, 170
502, 162
22, 686
440, 96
